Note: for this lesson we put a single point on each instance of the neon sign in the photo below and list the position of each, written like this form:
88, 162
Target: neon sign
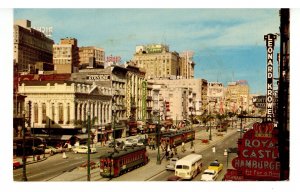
270, 43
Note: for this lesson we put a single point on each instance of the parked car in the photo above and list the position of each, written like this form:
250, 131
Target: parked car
50, 150
216, 166
174, 178
84, 149
171, 164
209, 175
16, 164
111, 143
129, 143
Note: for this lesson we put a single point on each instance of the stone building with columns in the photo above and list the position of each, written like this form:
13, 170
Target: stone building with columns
58, 110
126, 102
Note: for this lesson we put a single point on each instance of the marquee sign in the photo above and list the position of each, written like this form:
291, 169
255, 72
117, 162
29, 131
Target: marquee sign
270, 43
258, 154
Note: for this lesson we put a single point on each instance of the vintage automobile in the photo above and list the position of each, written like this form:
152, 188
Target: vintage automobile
174, 178
84, 149
16, 164
171, 164
215, 165
209, 175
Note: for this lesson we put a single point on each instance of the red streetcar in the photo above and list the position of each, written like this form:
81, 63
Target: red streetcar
114, 164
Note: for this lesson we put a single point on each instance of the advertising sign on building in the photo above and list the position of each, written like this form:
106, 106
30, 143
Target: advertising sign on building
259, 101
100, 77
113, 59
258, 154
46, 30
270, 43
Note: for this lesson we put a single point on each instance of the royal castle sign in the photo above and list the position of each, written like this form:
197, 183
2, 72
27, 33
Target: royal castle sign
258, 154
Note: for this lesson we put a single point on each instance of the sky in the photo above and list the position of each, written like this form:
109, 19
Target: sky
228, 44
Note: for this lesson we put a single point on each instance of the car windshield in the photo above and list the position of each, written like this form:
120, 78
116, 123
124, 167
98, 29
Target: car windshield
208, 173
182, 167
215, 164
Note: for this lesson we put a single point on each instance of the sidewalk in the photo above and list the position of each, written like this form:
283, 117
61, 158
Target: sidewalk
152, 169
30, 159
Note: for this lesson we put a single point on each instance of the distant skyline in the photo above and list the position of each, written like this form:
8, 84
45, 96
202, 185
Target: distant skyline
228, 44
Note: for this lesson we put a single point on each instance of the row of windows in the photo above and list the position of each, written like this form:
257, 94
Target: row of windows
130, 159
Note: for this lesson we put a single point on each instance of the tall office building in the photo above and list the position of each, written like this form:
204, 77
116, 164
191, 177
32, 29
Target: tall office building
237, 96
157, 60
30, 46
87, 53
187, 65
66, 56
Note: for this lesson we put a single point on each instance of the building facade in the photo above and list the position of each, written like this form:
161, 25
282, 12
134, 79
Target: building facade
237, 96
196, 90
187, 65
91, 52
216, 98
66, 56
58, 108
157, 61
30, 46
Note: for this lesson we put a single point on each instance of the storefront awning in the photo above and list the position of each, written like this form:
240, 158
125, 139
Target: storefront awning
54, 137
81, 136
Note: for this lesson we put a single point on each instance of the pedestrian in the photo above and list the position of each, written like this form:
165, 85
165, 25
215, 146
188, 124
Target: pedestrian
175, 150
64, 155
192, 147
182, 147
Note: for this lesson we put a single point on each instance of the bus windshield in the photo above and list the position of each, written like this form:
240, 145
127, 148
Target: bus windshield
182, 167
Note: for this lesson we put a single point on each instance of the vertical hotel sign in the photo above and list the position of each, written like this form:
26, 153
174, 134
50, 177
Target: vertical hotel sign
270, 43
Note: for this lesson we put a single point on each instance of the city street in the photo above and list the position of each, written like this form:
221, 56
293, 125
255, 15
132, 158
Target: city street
55, 165
55, 168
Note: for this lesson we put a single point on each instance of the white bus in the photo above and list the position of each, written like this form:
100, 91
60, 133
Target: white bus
189, 166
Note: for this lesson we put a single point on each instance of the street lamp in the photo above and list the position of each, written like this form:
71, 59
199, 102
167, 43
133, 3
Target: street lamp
157, 122
210, 128
88, 143
114, 124
24, 177
226, 153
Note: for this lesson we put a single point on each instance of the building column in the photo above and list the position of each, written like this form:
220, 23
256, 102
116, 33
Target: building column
48, 113
40, 113
92, 107
65, 112
98, 112
102, 113
72, 111
88, 109
78, 110
83, 111
56, 112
